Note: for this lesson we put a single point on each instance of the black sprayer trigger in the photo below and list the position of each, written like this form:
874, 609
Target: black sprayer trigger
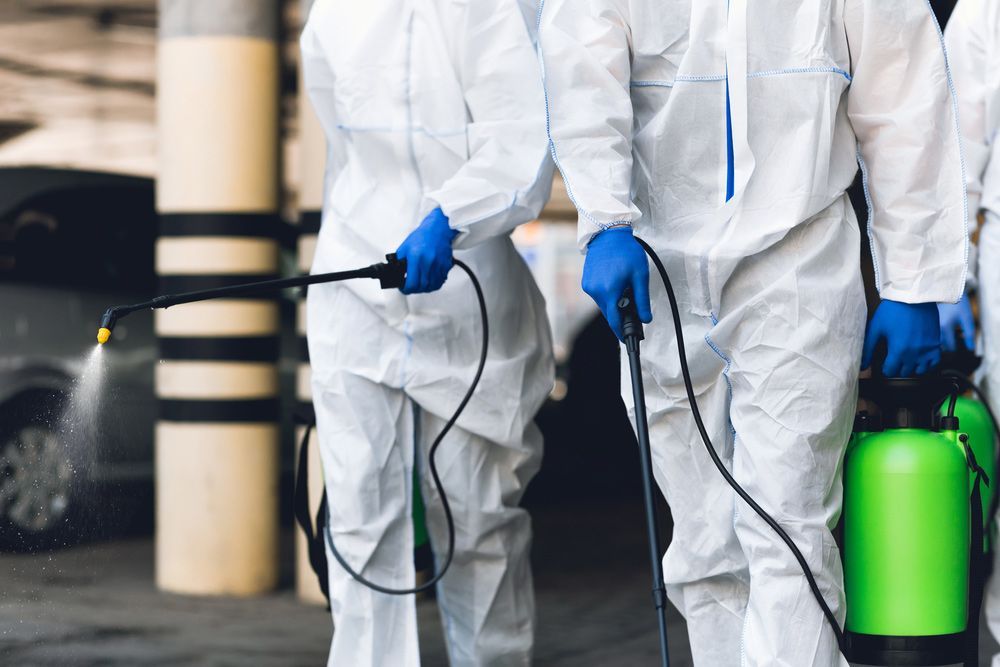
392, 273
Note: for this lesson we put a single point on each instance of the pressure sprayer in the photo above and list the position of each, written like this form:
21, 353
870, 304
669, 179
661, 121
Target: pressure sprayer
391, 274
912, 528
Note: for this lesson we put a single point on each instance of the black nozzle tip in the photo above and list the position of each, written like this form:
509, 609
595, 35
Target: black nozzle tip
108, 320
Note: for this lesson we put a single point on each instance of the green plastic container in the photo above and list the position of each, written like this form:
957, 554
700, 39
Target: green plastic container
906, 534
906, 530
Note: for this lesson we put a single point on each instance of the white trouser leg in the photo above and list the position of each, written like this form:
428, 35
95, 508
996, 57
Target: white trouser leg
775, 377
704, 567
792, 322
366, 441
487, 598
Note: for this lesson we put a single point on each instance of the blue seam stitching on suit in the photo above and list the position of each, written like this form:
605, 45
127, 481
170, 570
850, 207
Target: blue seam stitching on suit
387, 129
688, 78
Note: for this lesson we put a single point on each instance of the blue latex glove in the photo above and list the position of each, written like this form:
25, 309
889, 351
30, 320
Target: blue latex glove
616, 261
912, 334
957, 316
427, 251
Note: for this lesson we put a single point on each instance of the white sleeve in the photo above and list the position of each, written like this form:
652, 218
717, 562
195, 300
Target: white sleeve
902, 109
968, 54
508, 176
585, 47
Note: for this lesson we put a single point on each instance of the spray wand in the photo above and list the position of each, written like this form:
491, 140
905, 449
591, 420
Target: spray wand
390, 273
633, 334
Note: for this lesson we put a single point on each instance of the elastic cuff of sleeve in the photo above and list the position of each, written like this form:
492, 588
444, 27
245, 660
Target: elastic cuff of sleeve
605, 227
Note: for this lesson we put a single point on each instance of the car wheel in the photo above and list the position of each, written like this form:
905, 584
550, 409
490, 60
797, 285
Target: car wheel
40, 496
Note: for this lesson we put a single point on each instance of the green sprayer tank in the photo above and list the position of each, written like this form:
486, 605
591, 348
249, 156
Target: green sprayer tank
907, 529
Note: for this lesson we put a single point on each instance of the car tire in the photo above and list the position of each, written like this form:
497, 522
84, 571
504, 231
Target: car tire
43, 488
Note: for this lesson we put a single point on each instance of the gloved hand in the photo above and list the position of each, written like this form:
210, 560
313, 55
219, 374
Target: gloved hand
427, 251
616, 261
957, 316
912, 334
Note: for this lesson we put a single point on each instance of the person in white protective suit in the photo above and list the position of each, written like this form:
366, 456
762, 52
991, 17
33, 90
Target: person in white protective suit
434, 111
725, 135
973, 40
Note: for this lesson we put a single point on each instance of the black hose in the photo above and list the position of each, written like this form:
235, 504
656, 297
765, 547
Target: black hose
740, 491
450, 553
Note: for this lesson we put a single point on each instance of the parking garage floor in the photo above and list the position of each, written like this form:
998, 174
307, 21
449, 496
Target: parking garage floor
97, 605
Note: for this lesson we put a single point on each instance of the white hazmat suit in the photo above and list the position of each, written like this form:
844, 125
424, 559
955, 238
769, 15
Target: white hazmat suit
428, 103
726, 134
973, 39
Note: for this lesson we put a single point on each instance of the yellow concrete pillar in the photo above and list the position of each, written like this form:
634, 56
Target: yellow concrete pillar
312, 163
217, 195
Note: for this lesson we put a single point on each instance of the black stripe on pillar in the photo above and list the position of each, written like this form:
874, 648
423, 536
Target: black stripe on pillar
303, 348
305, 413
243, 411
180, 283
237, 225
309, 222
241, 348
267, 225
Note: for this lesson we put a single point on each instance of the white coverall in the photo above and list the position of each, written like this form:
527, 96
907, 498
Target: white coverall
973, 40
428, 103
763, 247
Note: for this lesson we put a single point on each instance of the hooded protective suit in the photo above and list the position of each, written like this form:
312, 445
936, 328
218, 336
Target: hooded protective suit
973, 39
726, 134
428, 103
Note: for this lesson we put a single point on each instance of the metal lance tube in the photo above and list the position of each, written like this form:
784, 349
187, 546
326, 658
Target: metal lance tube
217, 194
633, 335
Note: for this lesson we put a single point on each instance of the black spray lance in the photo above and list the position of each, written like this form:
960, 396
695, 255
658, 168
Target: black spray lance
391, 273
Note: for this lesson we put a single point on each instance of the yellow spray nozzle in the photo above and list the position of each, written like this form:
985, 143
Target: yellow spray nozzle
103, 335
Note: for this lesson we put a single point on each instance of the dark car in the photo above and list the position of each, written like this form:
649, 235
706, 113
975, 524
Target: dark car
72, 243
76, 443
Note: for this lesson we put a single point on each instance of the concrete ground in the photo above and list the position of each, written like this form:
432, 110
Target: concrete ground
97, 605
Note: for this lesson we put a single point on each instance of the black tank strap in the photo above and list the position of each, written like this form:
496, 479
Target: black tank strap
977, 558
